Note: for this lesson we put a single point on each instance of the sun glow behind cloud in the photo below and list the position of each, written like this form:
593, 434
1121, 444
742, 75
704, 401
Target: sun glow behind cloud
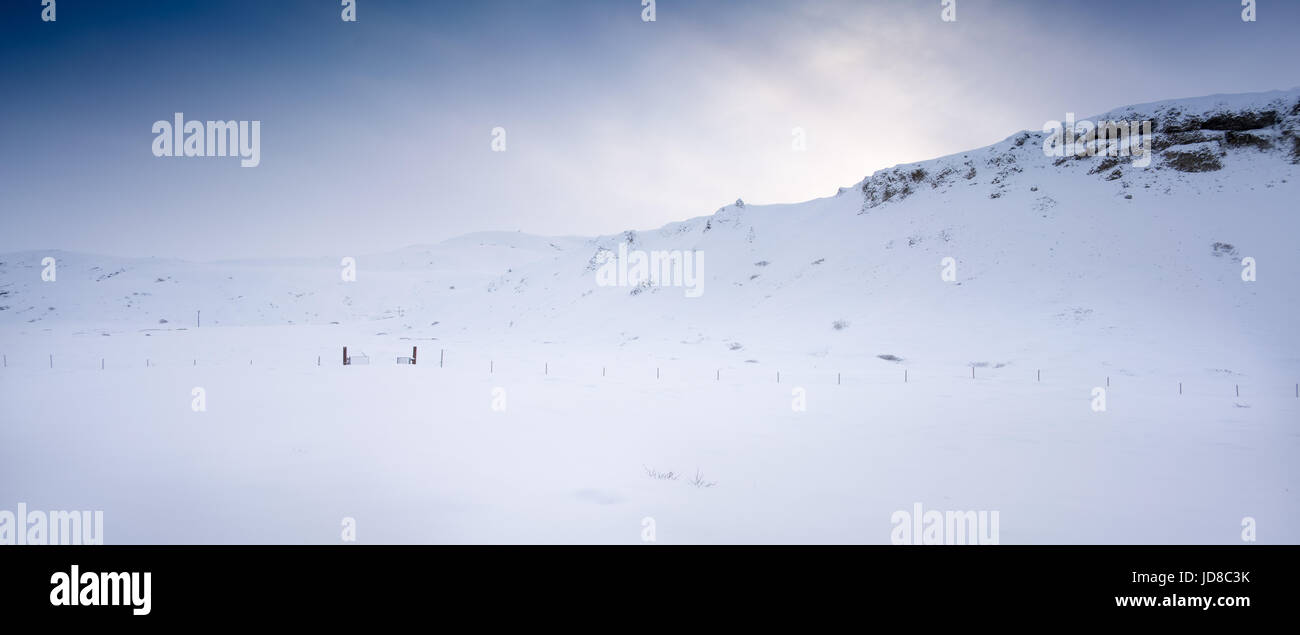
377, 134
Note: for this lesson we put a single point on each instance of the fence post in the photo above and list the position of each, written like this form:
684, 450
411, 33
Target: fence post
442, 354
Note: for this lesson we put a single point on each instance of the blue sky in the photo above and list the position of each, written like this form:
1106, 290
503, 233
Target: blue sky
377, 134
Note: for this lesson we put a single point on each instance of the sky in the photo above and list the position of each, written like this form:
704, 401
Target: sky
378, 134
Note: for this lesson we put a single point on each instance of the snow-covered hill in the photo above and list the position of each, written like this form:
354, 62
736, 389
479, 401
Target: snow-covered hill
1048, 250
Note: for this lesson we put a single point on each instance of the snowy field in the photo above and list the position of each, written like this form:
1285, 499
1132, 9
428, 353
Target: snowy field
286, 449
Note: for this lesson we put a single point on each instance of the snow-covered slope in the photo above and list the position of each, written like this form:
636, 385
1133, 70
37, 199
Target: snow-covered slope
1086, 256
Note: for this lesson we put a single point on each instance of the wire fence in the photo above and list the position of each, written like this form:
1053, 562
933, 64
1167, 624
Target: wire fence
1230, 385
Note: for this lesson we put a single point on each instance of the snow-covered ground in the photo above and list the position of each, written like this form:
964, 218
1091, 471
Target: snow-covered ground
1099, 275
